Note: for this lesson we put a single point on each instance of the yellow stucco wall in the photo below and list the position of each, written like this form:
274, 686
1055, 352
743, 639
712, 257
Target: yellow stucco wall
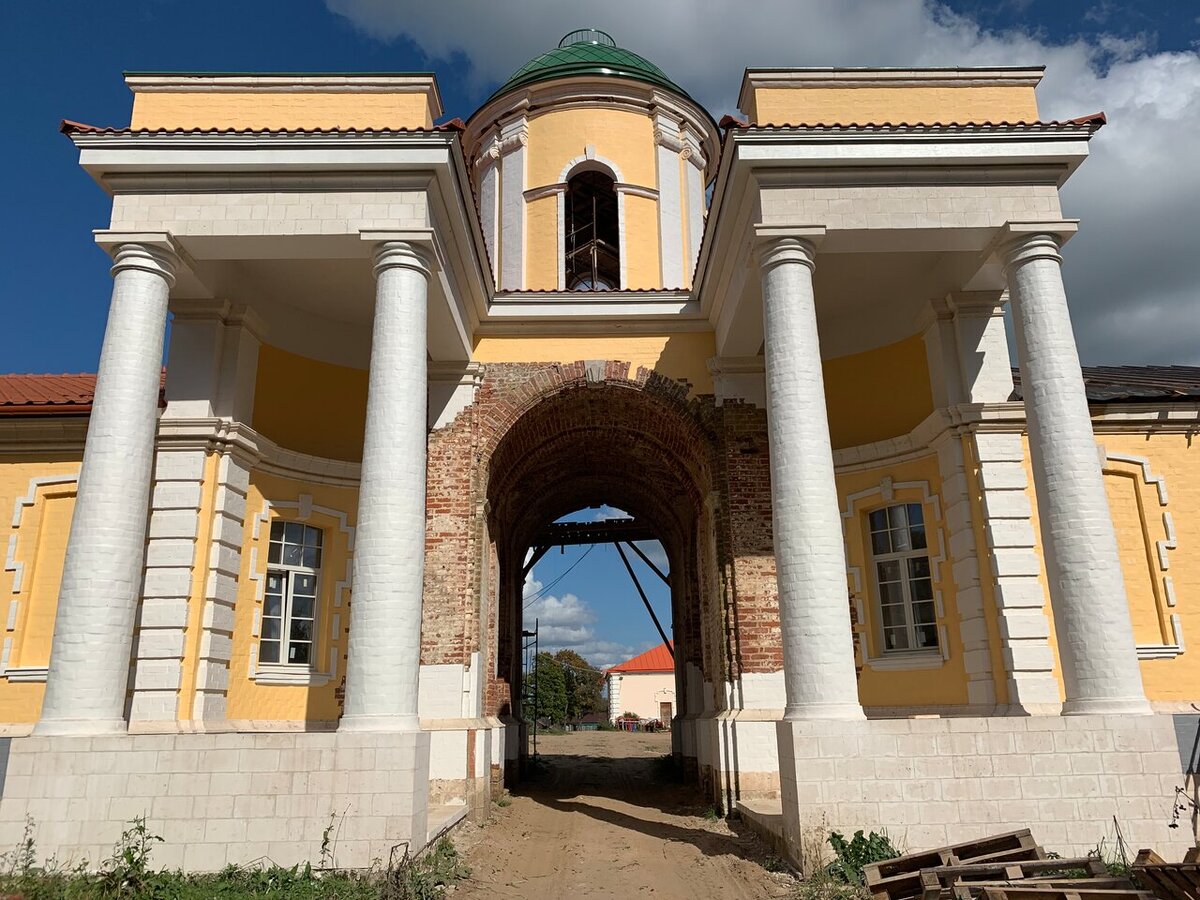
310, 406
877, 394
280, 110
249, 701
678, 356
37, 542
850, 105
915, 481
1140, 526
623, 138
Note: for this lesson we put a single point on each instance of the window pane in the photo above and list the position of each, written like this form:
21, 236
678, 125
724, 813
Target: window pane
891, 592
302, 607
302, 630
918, 567
294, 532
312, 557
275, 582
921, 589
299, 653
271, 629
292, 555
893, 616
880, 542
878, 520
915, 515
897, 516
895, 638
275, 554
277, 531
304, 584
924, 614
900, 540
268, 652
273, 606
927, 636
888, 569
312, 537
918, 537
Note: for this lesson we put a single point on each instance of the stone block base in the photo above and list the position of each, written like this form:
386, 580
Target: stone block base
931, 782
737, 756
218, 799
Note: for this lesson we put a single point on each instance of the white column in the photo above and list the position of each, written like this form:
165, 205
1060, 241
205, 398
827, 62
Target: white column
810, 557
102, 575
1087, 590
384, 654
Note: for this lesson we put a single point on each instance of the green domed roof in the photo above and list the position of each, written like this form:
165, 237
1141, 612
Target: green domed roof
588, 51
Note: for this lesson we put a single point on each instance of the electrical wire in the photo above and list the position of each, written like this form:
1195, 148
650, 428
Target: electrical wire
542, 592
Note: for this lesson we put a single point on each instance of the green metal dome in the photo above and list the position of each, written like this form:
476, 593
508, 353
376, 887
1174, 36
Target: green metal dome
588, 51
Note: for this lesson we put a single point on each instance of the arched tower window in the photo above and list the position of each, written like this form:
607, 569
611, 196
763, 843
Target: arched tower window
593, 234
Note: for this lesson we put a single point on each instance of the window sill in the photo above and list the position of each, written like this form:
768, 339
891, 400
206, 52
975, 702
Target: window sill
925, 659
303, 676
27, 673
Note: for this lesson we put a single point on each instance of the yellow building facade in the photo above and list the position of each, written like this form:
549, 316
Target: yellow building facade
780, 343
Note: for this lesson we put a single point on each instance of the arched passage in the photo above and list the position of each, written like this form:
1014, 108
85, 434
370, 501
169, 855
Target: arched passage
622, 444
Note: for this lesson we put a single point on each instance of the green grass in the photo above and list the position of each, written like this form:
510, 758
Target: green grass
129, 875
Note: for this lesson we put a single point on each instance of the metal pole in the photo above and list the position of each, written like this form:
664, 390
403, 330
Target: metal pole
650, 609
657, 571
536, 686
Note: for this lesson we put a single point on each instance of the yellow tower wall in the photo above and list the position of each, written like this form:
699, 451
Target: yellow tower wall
623, 138
877, 105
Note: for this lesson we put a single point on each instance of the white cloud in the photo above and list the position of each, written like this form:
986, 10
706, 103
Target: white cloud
1130, 271
566, 623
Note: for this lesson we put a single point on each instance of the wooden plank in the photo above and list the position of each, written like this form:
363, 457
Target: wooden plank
1073, 893
899, 879
970, 890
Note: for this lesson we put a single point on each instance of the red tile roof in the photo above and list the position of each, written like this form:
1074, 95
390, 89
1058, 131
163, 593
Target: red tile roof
656, 659
69, 127
1094, 121
55, 395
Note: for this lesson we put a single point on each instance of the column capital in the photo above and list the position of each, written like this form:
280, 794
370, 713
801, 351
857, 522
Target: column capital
153, 252
1020, 242
977, 303
416, 250
776, 244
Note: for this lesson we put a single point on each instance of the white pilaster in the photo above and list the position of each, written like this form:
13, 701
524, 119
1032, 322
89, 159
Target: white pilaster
810, 557
693, 180
668, 146
102, 575
384, 651
513, 138
1087, 590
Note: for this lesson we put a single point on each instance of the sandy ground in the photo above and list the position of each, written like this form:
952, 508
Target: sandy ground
599, 820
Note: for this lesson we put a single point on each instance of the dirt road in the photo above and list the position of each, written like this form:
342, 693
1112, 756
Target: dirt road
603, 820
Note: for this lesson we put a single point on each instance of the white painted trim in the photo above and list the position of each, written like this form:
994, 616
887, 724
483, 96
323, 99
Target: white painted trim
624, 250
34, 674
305, 508
590, 163
11, 563
562, 240
282, 674
1162, 548
894, 662
886, 491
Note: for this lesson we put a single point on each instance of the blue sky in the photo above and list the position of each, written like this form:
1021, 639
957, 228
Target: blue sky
1130, 273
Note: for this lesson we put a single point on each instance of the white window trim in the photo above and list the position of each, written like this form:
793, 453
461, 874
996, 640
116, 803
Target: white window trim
930, 658
290, 674
590, 162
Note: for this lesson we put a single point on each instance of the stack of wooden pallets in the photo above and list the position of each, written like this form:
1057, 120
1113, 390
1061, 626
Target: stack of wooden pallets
1007, 866
1169, 881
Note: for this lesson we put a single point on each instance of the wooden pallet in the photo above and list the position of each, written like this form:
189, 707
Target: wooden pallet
1026, 891
973, 890
939, 881
900, 878
1169, 881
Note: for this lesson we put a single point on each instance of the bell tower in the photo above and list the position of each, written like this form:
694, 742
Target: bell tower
590, 167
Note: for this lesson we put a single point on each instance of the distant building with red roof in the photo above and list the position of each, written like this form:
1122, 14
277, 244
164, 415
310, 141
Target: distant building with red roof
644, 685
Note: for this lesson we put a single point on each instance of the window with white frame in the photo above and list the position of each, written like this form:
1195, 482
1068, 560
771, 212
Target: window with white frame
899, 548
290, 599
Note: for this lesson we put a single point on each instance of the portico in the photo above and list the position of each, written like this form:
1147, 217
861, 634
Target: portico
898, 596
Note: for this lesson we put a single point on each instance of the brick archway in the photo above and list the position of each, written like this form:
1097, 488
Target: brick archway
601, 437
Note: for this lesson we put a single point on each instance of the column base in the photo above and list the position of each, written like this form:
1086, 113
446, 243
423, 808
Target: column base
379, 723
1118, 706
805, 711
78, 727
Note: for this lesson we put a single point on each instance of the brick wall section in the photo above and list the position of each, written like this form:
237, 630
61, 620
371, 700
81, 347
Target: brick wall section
542, 440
